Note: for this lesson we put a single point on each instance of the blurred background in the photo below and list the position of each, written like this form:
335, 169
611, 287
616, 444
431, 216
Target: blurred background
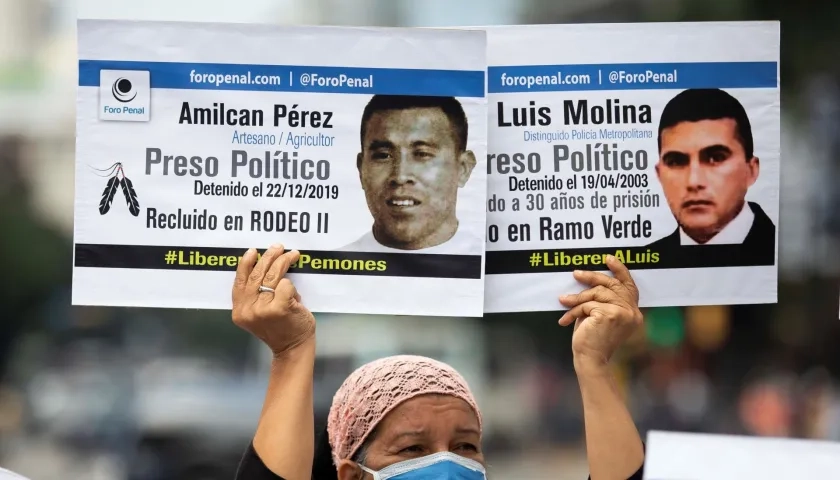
134, 394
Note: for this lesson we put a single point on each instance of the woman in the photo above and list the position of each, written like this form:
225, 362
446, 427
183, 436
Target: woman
407, 417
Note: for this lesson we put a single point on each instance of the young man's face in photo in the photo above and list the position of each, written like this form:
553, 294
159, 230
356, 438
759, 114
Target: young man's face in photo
411, 167
705, 174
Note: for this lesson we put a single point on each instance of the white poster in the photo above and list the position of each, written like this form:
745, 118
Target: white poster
694, 456
364, 148
656, 143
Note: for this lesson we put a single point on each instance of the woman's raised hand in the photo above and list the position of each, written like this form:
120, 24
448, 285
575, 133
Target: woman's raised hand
266, 303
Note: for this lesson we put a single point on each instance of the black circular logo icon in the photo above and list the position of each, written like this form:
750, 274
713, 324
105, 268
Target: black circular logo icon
123, 90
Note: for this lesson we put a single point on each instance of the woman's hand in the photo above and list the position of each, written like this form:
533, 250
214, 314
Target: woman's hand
605, 315
277, 318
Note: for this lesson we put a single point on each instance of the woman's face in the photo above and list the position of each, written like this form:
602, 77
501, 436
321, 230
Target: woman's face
418, 427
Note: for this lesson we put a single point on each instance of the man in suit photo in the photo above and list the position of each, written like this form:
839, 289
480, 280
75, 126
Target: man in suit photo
706, 166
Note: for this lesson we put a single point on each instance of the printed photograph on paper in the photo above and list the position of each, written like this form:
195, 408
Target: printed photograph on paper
661, 149
413, 161
711, 128
196, 142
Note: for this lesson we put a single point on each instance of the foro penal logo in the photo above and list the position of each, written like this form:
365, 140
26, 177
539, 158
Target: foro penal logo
117, 181
125, 95
123, 90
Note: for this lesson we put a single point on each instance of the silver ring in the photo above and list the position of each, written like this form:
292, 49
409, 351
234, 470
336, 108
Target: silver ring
264, 289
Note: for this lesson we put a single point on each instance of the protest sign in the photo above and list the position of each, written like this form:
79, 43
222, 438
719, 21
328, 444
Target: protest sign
656, 143
363, 148
696, 456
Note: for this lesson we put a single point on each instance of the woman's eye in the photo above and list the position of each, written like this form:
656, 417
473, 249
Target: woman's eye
468, 446
412, 449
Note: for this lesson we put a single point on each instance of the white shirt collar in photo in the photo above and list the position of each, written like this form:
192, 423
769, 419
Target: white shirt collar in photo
462, 243
733, 233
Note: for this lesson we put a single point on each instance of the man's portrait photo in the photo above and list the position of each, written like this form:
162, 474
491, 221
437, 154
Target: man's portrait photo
706, 166
412, 163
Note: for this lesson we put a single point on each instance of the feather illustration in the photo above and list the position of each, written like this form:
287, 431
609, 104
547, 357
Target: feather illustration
108, 194
130, 196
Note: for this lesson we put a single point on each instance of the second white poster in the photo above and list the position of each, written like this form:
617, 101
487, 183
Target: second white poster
655, 143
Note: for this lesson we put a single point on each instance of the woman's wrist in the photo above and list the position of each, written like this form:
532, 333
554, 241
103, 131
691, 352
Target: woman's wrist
302, 351
296, 350
587, 367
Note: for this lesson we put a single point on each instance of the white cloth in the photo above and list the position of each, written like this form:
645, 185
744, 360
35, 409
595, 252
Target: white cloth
733, 233
9, 475
462, 243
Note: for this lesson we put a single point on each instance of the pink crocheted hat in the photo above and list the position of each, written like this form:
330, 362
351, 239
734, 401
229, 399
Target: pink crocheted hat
376, 388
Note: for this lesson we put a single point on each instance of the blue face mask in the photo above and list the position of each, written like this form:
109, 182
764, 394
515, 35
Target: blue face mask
439, 466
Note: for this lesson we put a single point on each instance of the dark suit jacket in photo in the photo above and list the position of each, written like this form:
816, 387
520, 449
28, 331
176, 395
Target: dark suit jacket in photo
759, 246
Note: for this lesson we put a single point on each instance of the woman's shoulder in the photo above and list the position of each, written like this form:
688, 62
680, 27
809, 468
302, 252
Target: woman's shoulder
639, 475
251, 467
